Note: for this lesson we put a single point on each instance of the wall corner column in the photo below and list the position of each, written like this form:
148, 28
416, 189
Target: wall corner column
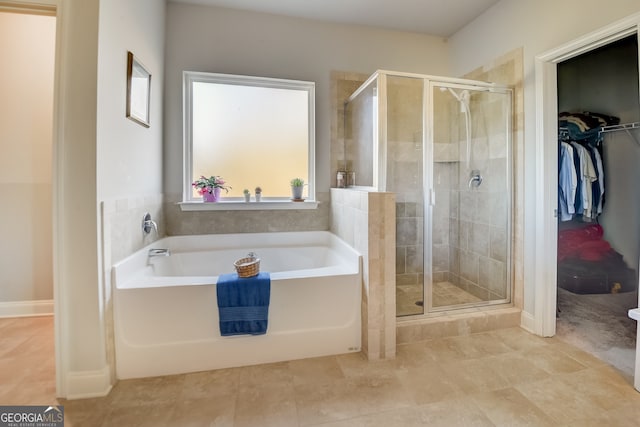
367, 221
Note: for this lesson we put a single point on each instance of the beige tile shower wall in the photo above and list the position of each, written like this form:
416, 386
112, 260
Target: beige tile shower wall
359, 137
343, 84
405, 173
366, 221
446, 158
480, 214
508, 70
404, 138
404, 109
409, 243
444, 225
121, 236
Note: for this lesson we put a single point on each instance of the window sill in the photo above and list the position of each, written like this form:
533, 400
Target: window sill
270, 205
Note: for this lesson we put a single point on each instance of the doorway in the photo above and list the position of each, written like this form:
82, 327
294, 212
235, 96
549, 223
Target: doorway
598, 245
546, 250
26, 131
28, 47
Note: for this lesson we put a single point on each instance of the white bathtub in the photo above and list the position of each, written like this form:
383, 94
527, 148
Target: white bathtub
166, 313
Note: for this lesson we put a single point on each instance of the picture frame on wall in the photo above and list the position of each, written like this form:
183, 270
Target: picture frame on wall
138, 91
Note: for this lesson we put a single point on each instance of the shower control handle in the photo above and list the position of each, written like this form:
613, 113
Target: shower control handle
475, 178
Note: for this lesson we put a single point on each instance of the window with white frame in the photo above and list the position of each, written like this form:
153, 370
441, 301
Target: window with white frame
251, 131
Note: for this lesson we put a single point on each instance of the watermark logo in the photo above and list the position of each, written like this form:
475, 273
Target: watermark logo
31, 416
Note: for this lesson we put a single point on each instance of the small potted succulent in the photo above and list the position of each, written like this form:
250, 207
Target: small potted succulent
297, 185
247, 195
258, 192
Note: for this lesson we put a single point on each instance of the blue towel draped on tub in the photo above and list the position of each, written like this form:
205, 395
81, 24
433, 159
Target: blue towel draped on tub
243, 303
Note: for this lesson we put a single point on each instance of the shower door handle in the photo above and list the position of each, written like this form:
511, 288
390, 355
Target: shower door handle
432, 197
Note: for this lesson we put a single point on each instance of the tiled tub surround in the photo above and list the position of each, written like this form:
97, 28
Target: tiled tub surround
123, 224
244, 221
121, 236
314, 305
366, 221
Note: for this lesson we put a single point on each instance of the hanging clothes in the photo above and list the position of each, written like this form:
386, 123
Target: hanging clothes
567, 182
600, 172
581, 183
588, 174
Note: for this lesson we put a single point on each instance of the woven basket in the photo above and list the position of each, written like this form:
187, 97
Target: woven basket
248, 266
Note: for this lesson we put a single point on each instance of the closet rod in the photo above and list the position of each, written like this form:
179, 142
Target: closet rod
625, 127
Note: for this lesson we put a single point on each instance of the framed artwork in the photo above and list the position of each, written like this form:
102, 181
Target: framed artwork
138, 91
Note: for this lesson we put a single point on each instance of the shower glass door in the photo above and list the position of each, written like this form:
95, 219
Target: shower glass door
468, 182
404, 176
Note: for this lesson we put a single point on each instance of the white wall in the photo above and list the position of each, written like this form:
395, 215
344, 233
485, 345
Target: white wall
201, 38
27, 48
537, 26
129, 156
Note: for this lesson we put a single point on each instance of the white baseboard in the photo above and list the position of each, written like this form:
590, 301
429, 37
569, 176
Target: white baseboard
26, 308
87, 384
528, 322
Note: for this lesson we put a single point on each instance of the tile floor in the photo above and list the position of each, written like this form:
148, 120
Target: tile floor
500, 378
444, 293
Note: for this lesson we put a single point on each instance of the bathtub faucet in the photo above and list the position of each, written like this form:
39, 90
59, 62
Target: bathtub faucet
159, 252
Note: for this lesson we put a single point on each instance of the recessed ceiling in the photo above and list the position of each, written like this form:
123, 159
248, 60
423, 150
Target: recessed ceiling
436, 17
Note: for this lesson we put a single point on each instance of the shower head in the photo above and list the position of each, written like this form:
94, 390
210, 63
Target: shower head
463, 97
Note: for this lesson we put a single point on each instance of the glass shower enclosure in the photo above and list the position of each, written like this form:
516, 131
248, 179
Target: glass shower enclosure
443, 146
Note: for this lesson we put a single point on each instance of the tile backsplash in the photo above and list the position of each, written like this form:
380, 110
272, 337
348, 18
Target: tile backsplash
181, 222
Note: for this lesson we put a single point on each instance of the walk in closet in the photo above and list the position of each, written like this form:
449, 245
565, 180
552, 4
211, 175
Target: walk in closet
599, 201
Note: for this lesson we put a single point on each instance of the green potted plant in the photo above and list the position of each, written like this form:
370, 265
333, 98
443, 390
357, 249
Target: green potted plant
247, 195
209, 188
258, 192
297, 185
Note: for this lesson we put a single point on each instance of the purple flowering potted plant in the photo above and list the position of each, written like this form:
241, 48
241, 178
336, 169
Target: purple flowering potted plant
210, 188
